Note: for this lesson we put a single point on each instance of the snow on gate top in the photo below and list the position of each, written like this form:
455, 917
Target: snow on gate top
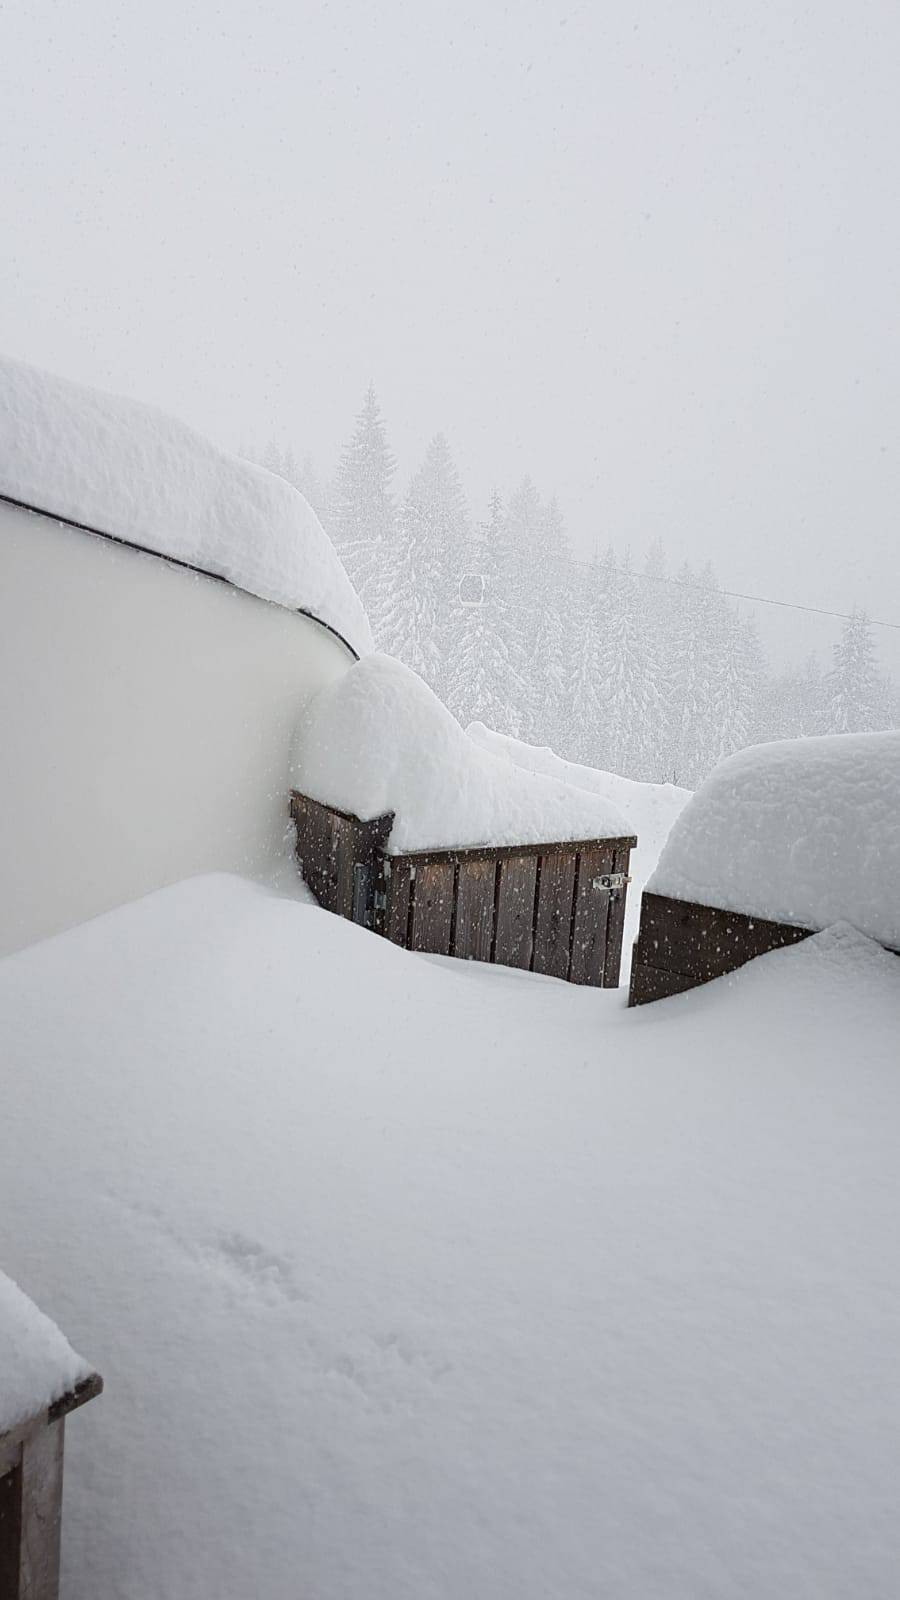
380, 740
805, 831
123, 468
37, 1363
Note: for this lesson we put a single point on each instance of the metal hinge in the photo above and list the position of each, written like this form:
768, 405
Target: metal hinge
611, 880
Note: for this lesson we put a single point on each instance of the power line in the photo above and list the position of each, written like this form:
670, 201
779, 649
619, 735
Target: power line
758, 599
765, 600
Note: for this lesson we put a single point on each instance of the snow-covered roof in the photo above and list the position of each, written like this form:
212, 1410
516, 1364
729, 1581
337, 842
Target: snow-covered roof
379, 740
125, 469
37, 1364
805, 831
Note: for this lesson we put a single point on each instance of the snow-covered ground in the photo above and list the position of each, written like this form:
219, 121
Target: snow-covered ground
413, 1279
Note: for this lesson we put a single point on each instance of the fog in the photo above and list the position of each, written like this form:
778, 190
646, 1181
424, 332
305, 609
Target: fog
649, 257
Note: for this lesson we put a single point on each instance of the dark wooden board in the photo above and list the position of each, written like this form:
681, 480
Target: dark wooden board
591, 917
503, 852
398, 899
651, 983
475, 894
616, 925
432, 918
705, 942
553, 923
515, 910
330, 844
10, 1532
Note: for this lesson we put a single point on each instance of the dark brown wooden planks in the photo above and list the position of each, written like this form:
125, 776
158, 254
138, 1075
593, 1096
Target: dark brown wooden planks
616, 927
475, 892
432, 917
553, 923
331, 845
591, 920
398, 897
652, 983
515, 910
697, 943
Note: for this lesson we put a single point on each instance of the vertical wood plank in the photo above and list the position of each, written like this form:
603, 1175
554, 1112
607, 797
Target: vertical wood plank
553, 928
433, 907
616, 929
10, 1531
589, 929
475, 910
42, 1470
515, 911
343, 855
398, 892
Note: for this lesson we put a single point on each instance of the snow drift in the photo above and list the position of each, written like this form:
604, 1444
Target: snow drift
411, 1278
805, 831
126, 469
379, 740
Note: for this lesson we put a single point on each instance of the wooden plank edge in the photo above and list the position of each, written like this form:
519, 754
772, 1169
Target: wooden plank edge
86, 1390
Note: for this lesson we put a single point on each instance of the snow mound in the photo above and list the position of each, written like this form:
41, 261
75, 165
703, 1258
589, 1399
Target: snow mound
422, 1279
37, 1364
804, 831
126, 469
379, 740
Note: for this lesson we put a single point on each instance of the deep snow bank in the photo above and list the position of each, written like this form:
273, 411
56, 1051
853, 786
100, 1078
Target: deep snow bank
529, 1296
37, 1364
129, 470
805, 831
380, 740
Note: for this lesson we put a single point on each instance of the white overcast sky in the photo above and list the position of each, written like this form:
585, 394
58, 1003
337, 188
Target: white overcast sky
649, 253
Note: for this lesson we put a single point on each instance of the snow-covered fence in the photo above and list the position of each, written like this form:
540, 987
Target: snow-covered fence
556, 908
41, 1381
782, 840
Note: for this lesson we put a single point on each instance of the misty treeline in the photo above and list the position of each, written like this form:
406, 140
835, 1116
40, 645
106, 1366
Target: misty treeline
647, 673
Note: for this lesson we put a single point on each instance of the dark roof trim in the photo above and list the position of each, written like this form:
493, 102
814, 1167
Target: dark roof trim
173, 561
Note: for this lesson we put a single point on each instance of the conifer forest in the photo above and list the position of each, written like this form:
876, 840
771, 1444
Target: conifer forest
639, 670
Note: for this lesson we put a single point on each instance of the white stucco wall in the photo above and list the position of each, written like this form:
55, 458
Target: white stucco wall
146, 716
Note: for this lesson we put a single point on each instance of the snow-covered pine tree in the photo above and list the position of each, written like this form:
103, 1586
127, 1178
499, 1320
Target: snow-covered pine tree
736, 682
549, 642
483, 682
588, 732
633, 703
362, 520
432, 535
855, 694
694, 637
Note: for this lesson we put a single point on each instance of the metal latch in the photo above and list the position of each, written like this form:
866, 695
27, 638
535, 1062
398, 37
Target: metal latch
380, 900
611, 880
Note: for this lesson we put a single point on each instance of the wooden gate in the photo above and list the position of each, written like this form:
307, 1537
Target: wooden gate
556, 908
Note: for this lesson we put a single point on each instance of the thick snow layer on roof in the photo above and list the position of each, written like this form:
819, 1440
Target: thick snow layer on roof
37, 1364
651, 808
805, 831
413, 1278
126, 469
379, 740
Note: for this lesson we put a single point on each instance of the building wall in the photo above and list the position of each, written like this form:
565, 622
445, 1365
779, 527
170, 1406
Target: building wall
146, 716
